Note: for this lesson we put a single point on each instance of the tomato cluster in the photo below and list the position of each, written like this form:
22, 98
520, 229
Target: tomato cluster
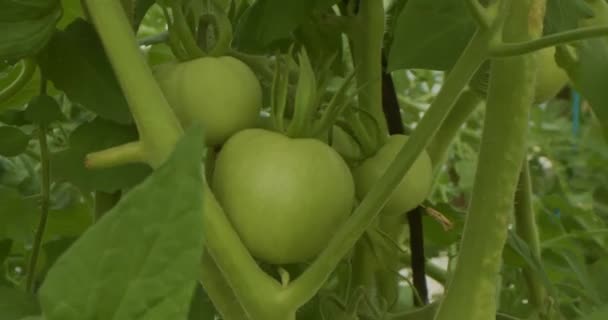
284, 196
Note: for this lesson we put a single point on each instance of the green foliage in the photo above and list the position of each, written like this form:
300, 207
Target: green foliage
125, 242
31, 24
447, 28
141, 260
76, 64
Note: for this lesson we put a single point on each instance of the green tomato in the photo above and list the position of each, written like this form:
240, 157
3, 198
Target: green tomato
222, 94
550, 78
285, 197
413, 188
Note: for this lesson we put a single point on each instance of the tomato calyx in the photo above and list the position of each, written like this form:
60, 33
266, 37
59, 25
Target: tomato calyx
312, 114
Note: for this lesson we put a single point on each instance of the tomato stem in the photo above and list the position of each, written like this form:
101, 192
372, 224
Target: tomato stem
527, 229
131, 152
468, 101
44, 206
305, 287
367, 34
183, 31
472, 290
564, 37
219, 291
158, 127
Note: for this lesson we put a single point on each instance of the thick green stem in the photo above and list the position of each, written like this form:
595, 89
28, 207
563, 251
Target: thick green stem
259, 294
219, 291
366, 37
526, 228
466, 104
305, 287
471, 293
44, 207
158, 127
27, 71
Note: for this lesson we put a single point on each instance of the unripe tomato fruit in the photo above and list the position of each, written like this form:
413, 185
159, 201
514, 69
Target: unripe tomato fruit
285, 197
413, 188
222, 94
550, 78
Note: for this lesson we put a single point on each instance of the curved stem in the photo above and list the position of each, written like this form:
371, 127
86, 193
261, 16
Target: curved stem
259, 294
526, 228
44, 207
479, 13
367, 34
27, 71
183, 31
305, 287
519, 48
472, 291
158, 127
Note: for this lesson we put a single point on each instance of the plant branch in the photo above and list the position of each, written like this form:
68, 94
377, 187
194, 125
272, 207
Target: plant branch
219, 291
367, 34
131, 152
519, 48
466, 104
472, 291
305, 287
526, 228
158, 127
480, 14
27, 72
44, 201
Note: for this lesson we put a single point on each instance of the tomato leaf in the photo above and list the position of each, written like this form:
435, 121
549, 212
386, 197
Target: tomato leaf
588, 73
76, 63
564, 14
24, 95
94, 136
15, 304
27, 26
430, 35
141, 260
13, 141
267, 22
17, 215
43, 110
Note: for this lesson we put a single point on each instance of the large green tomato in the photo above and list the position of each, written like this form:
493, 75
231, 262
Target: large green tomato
413, 188
550, 78
222, 94
285, 197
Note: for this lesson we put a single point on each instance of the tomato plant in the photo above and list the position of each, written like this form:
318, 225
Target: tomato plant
362, 159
